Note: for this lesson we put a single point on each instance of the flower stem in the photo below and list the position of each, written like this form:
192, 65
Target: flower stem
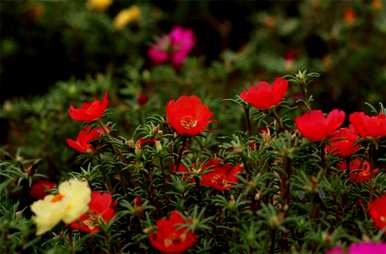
181, 152
249, 126
278, 119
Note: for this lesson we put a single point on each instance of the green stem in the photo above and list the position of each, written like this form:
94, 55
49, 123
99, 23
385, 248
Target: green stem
249, 126
278, 119
179, 158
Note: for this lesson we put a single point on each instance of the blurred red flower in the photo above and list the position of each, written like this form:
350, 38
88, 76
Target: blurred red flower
142, 99
181, 168
101, 207
188, 115
264, 96
170, 236
359, 171
85, 136
174, 47
349, 16
220, 176
369, 126
343, 142
89, 111
377, 210
40, 188
315, 127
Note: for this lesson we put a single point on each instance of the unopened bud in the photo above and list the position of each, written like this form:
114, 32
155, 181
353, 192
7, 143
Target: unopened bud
158, 146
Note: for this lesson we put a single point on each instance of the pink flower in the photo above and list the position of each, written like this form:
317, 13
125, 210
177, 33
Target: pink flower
173, 47
360, 248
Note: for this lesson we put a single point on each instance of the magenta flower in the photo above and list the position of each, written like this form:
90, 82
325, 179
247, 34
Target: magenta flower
173, 47
360, 248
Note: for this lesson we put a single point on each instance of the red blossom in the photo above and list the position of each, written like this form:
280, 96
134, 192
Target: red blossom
349, 16
101, 207
377, 210
40, 188
137, 201
145, 141
181, 168
85, 136
170, 236
264, 96
142, 99
220, 176
360, 171
188, 115
89, 111
369, 126
316, 127
343, 142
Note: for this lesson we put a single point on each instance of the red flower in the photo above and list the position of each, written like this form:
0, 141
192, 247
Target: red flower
263, 95
377, 210
188, 115
85, 136
314, 126
369, 126
360, 171
349, 16
170, 236
40, 188
181, 168
89, 111
343, 142
220, 176
102, 207
142, 99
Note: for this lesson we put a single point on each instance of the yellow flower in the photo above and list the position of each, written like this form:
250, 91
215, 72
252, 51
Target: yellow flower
68, 205
98, 5
48, 213
126, 16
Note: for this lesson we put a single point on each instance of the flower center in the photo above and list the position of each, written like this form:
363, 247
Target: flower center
383, 218
188, 122
91, 221
57, 198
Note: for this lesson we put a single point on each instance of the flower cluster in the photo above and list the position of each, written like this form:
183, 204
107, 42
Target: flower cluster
67, 205
88, 112
74, 204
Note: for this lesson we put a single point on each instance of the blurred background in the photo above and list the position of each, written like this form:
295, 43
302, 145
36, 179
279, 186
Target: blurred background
55, 53
46, 41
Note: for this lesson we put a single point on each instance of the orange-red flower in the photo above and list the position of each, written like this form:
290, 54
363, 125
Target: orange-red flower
171, 236
101, 207
377, 210
188, 115
343, 142
369, 126
264, 96
360, 171
220, 176
349, 16
85, 136
40, 188
315, 127
89, 111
